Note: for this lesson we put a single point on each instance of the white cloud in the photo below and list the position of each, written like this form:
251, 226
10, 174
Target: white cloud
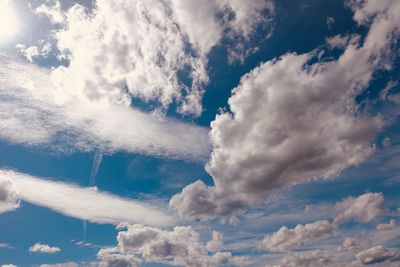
53, 12
287, 239
84, 203
32, 52
216, 243
44, 116
349, 244
43, 248
386, 226
293, 121
9, 198
180, 246
153, 50
364, 208
378, 254
5, 245
112, 257
8, 265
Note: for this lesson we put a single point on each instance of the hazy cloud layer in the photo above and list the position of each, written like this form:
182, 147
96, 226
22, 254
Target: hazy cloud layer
84, 203
293, 121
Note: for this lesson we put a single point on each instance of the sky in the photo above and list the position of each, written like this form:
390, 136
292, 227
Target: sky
199, 133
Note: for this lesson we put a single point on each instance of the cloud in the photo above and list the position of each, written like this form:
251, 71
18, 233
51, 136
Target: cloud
43, 248
315, 258
67, 264
112, 257
156, 51
349, 244
378, 254
9, 199
386, 226
84, 203
293, 121
216, 243
53, 12
287, 239
8, 265
180, 246
44, 116
364, 208
5, 245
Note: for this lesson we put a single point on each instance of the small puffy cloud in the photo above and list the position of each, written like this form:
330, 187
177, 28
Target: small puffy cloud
216, 243
287, 239
386, 226
180, 246
9, 265
315, 258
43, 248
9, 197
364, 208
293, 121
378, 254
349, 244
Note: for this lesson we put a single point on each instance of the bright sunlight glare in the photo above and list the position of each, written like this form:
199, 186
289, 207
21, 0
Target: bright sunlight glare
8, 20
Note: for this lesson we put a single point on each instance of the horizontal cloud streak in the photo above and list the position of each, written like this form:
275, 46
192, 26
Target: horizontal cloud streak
84, 203
43, 116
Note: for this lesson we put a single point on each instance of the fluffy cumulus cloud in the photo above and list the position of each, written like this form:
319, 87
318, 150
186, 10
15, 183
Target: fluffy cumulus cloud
152, 50
378, 254
9, 197
287, 239
43, 248
41, 118
364, 208
293, 121
180, 246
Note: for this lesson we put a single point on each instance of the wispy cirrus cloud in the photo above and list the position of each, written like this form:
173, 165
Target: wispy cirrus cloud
84, 203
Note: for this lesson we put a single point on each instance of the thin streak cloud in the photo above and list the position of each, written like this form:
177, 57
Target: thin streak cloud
84, 203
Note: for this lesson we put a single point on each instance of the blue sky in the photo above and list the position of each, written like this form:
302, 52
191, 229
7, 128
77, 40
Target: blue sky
187, 133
